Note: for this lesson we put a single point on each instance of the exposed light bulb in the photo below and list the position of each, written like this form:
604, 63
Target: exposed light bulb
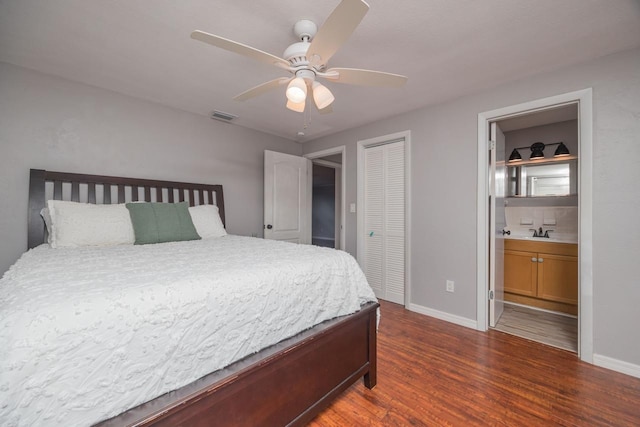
297, 90
321, 95
298, 107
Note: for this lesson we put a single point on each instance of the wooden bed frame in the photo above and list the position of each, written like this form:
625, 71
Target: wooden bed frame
286, 384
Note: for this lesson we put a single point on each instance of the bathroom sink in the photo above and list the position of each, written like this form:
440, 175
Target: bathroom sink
559, 239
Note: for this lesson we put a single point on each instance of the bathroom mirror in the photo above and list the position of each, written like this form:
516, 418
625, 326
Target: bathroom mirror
542, 179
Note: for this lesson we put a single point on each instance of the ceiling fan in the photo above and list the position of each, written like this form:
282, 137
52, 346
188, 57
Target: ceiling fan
307, 59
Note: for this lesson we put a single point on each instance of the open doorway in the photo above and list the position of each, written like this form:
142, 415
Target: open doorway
328, 197
487, 230
536, 215
326, 201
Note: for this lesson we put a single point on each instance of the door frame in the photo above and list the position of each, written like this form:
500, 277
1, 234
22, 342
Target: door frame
584, 98
361, 146
342, 150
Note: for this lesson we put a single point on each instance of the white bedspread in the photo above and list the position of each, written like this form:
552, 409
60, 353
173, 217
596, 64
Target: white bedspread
86, 333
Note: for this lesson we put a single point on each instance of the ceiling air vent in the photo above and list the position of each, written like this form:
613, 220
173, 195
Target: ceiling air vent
223, 117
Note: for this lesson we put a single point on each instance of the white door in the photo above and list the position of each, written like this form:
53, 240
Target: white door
384, 220
497, 223
287, 197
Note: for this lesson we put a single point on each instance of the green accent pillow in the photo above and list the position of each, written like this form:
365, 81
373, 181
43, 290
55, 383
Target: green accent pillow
161, 222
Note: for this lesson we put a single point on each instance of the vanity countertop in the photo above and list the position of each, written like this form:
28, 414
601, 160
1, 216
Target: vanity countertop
556, 239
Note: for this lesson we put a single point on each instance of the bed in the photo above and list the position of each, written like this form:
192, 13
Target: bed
287, 383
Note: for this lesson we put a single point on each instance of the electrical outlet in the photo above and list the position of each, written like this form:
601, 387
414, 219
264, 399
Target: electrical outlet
450, 286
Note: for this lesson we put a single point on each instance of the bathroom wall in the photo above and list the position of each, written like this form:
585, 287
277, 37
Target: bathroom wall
566, 132
562, 221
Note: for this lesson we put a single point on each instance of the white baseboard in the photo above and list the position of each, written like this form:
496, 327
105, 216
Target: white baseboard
458, 320
616, 365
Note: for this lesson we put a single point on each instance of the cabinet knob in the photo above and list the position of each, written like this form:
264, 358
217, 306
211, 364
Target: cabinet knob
540, 259
534, 259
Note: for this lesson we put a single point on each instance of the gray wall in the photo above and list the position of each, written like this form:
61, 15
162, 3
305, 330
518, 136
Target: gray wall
51, 123
444, 180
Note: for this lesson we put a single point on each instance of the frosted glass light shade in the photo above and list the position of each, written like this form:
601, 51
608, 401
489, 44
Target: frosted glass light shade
297, 107
321, 95
297, 90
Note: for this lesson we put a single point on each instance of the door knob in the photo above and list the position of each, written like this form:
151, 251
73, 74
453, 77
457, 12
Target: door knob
269, 226
534, 259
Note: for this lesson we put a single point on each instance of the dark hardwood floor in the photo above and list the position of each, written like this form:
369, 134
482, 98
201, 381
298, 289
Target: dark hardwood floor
434, 373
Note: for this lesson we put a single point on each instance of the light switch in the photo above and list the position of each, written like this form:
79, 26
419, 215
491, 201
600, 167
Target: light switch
352, 208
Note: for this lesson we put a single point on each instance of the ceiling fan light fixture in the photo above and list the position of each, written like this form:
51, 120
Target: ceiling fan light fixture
322, 96
298, 107
297, 90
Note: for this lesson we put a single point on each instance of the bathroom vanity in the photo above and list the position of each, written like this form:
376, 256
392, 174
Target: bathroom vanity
542, 273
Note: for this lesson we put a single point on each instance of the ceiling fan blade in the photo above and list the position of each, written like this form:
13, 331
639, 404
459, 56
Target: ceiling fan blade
262, 88
240, 48
336, 30
356, 76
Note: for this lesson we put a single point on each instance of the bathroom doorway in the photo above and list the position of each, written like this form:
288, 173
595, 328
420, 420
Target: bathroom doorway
539, 226
543, 248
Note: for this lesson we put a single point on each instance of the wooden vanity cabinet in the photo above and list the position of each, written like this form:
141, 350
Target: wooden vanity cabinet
542, 274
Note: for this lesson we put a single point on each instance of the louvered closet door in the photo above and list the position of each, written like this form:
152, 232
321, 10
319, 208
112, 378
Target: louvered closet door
384, 204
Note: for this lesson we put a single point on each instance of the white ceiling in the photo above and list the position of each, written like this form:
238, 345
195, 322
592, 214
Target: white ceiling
447, 48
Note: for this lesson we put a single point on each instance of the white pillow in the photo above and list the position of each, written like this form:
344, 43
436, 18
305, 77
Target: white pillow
206, 219
81, 224
44, 213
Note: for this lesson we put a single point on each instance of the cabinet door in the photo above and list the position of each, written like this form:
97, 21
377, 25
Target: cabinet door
558, 278
520, 272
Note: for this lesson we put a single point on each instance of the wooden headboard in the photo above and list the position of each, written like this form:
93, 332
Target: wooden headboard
114, 190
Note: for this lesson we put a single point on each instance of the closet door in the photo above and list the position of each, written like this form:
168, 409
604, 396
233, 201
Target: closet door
384, 217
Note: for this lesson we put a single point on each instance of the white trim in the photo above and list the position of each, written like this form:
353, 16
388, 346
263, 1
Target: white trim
342, 150
380, 140
617, 365
326, 163
442, 315
585, 244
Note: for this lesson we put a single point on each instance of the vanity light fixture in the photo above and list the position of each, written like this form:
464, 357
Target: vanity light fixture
515, 156
537, 151
561, 151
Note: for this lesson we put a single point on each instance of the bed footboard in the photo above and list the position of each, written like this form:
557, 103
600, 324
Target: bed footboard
286, 384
